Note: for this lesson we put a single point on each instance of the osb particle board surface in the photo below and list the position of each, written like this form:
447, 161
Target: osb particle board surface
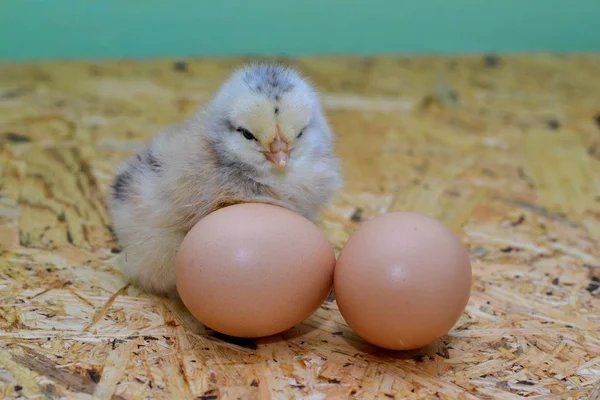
504, 150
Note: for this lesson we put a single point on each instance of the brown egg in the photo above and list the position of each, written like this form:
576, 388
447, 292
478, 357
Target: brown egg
402, 280
252, 270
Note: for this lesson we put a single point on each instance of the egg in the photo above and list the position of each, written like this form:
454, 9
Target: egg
402, 280
254, 270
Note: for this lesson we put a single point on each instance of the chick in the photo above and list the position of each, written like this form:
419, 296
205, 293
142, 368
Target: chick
263, 137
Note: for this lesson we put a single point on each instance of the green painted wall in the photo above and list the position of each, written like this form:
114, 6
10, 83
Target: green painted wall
142, 28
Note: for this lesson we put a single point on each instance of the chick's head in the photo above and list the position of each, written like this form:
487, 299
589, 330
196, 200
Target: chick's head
269, 117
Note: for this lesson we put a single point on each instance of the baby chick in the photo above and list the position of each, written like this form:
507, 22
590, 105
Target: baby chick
262, 138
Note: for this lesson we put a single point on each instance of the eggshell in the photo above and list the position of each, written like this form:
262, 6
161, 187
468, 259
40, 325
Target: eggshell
402, 280
252, 270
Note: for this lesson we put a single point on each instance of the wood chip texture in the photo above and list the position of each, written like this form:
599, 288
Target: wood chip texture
506, 153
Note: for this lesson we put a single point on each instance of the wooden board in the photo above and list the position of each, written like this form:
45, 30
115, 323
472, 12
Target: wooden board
506, 151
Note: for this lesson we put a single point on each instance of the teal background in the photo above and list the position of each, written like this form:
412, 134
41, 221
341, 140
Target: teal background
31, 29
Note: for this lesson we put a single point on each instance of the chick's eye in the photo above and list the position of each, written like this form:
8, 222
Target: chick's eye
300, 134
247, 134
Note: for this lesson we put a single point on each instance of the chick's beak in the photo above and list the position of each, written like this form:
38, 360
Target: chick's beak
279, 152
280, 159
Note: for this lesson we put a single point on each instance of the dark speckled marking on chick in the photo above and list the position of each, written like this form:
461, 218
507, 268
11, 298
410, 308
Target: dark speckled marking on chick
149, 159
121, 185
270, 80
